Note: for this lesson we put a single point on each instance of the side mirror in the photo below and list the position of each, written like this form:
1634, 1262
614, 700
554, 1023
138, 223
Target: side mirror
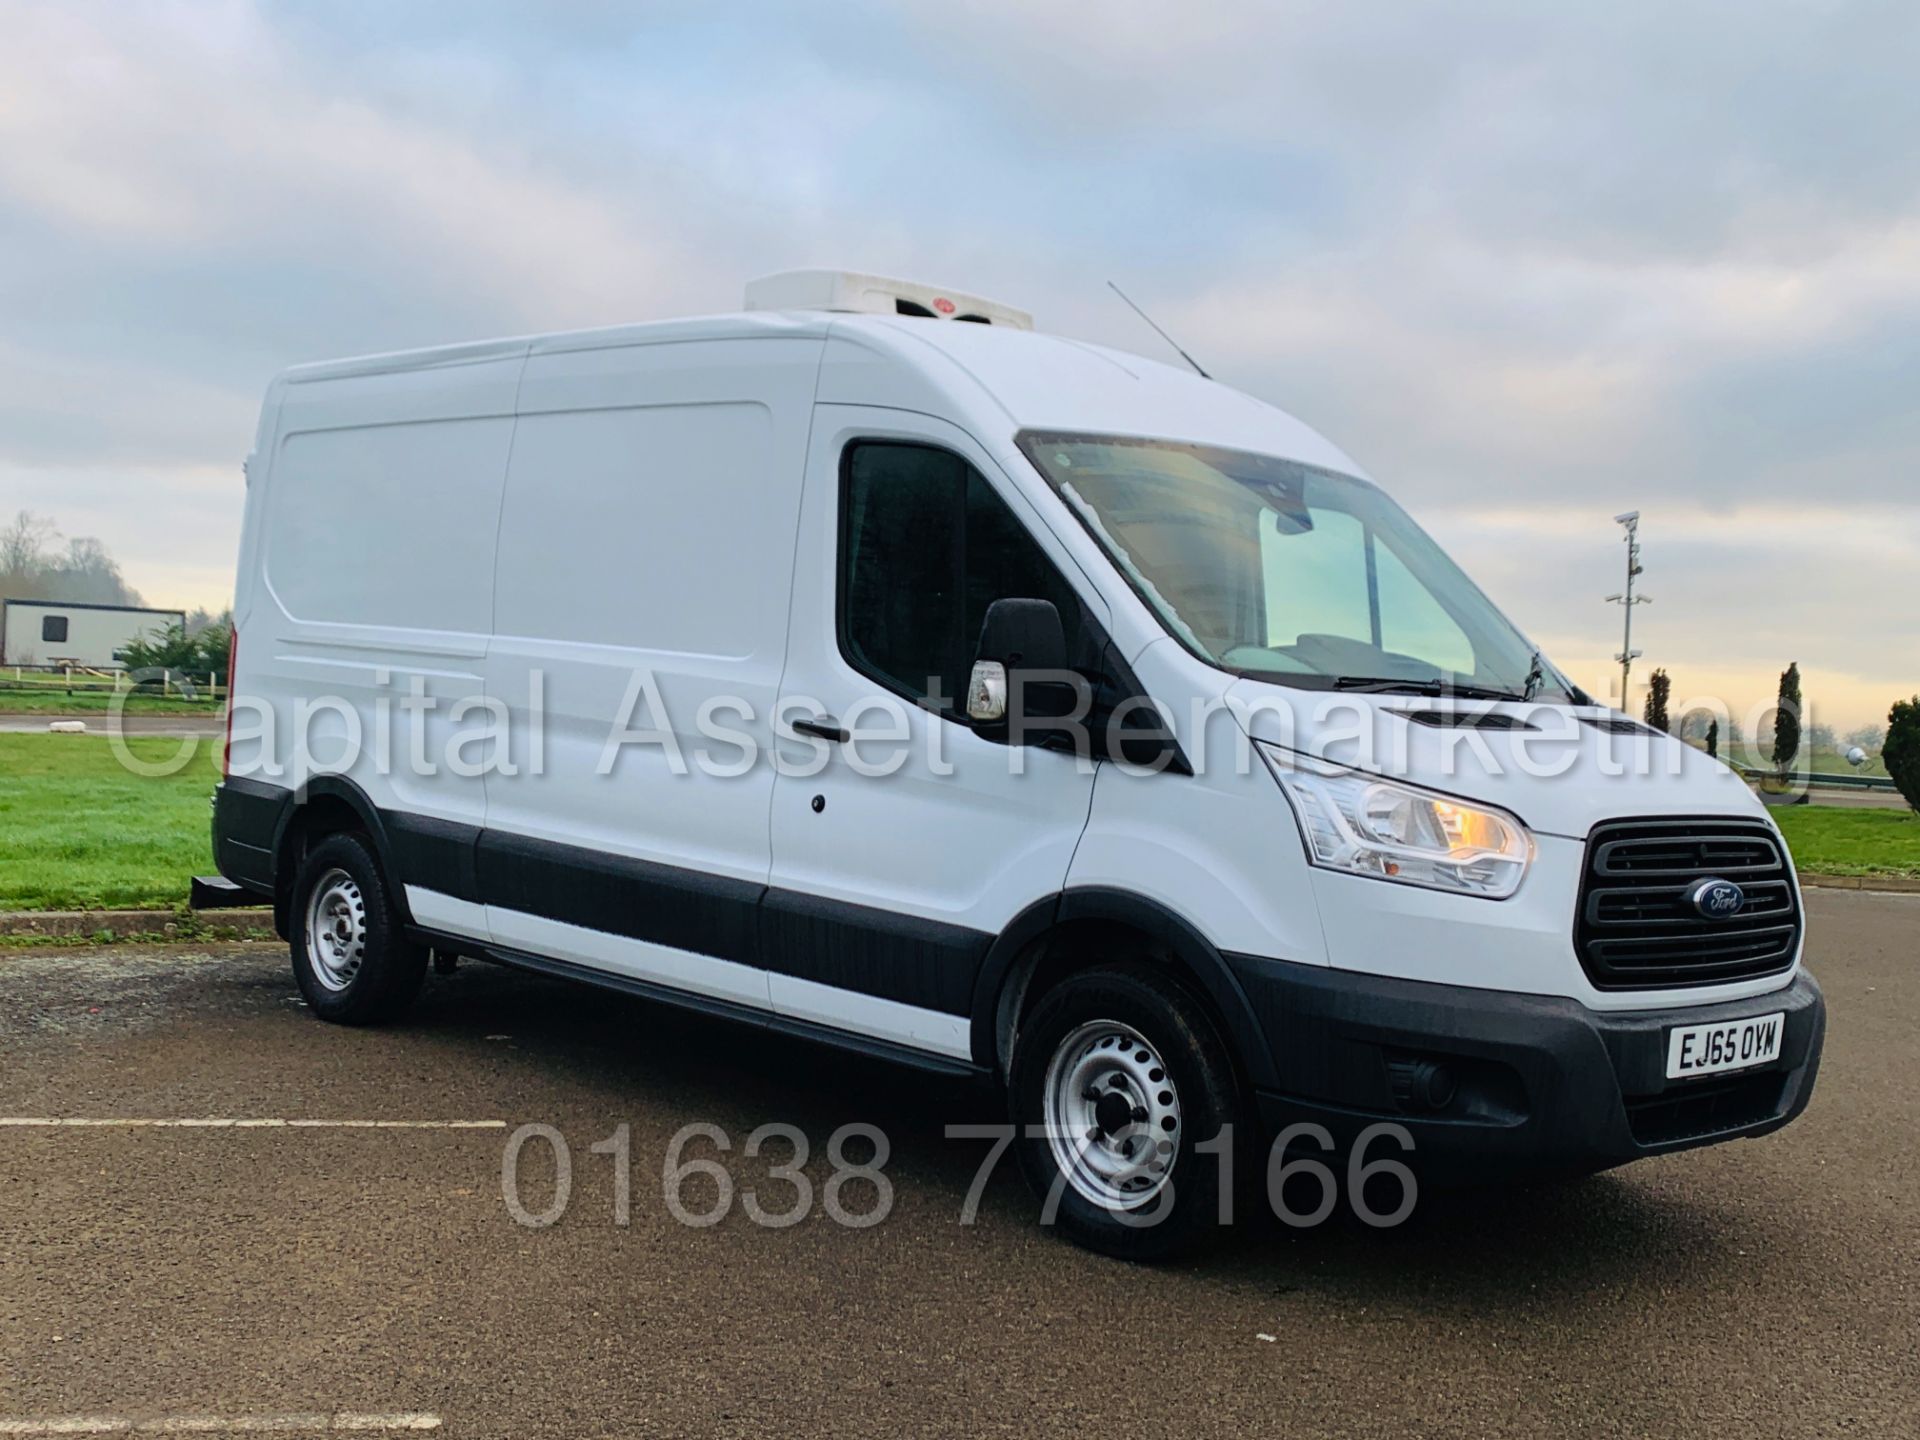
1022, 657
1024, 635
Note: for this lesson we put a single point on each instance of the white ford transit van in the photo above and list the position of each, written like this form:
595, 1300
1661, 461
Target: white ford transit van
871, 667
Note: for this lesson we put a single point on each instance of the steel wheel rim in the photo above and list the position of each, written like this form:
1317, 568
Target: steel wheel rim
336, 930
1112, 1115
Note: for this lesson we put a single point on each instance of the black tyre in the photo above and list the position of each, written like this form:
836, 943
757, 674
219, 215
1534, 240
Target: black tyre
351, 956
1118, 1074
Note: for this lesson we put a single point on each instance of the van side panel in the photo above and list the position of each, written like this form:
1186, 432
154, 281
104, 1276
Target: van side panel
370, 538
645, 560
389, 526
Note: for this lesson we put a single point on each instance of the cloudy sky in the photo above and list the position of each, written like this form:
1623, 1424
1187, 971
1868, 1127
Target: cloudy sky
1531, 264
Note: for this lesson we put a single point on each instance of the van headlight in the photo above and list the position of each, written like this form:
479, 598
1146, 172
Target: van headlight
1364, 825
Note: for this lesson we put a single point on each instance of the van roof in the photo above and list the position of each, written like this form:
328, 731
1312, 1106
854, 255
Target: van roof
993, 375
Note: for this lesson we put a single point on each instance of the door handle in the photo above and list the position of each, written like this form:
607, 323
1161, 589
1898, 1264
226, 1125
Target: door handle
825, 728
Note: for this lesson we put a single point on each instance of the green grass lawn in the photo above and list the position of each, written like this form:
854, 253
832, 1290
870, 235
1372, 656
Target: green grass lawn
1819, 762
79, 831
42, 701
1834, 762
1837, 840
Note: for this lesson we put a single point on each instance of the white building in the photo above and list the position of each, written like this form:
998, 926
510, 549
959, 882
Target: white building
52, 632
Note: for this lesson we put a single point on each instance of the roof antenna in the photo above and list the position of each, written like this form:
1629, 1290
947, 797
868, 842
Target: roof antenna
1158, 331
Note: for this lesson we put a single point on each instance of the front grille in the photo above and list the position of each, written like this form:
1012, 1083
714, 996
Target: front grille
1636, 929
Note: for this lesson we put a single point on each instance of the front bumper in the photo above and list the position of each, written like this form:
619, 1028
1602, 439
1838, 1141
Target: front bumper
1544, 1085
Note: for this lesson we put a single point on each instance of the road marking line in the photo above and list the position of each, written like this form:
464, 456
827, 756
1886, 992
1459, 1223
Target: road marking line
220, 1424
88, 1122
413, 1421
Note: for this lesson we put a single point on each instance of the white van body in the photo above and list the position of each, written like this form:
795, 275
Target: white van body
522, 528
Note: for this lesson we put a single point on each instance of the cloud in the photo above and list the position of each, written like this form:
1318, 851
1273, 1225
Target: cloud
51, 412
189, 129
1532, 265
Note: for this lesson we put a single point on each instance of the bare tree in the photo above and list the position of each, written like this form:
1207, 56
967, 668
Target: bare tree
89, 573
34, 567
23, 551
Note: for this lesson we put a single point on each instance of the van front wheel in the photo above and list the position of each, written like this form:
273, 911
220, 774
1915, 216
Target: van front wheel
1127, 1111
351, 957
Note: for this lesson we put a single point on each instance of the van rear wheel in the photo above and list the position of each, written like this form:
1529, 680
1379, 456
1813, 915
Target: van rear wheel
1118, 1077
351, 956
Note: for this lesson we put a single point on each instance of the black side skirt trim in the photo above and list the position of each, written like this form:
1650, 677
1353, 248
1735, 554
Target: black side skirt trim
708, 1005
870, 951
914, 961
686, 909
434, 854
876, 952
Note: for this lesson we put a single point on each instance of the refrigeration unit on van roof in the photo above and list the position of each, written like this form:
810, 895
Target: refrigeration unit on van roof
847, 291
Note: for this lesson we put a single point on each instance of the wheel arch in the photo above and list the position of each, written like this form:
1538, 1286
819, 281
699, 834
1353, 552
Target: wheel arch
1066, 932
326, 805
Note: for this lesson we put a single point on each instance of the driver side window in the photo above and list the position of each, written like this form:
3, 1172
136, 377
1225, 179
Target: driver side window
925, 547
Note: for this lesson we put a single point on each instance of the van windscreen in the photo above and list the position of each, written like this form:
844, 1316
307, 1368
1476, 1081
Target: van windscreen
1286, 572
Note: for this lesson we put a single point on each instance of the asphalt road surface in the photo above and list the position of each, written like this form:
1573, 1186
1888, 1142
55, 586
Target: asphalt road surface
304, 1276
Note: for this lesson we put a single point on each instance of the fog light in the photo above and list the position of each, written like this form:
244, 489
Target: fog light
1422, 1084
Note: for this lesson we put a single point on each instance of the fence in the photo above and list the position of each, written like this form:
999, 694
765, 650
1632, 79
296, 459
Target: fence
1818, 780
79, 680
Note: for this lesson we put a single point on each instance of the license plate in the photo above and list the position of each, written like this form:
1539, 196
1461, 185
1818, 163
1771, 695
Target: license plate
1726, 1045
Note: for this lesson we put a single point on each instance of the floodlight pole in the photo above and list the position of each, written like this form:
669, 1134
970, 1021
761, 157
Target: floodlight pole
1627, 600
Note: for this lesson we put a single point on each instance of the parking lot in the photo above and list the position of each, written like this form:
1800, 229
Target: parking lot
355, 1274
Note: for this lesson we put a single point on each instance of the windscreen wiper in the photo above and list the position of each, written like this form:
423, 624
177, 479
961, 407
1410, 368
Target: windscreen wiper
1439, 689
1536, 673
